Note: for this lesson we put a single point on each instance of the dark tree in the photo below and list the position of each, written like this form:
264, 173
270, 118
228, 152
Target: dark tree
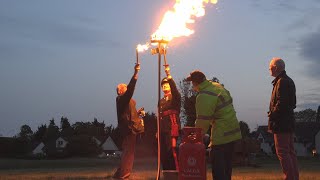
25, 133
65, 127
98, 128
52, 132
95, 128
64, 123
40, 133
190, 110
22, 144
188, 101
307, 115
81, 128
318, 114
83, 145
150, 124
109, 130
245, 130
117, 137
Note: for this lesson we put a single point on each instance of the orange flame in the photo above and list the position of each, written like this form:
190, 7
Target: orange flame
174, 23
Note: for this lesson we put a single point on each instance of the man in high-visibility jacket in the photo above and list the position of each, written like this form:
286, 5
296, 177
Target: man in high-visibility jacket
214, 107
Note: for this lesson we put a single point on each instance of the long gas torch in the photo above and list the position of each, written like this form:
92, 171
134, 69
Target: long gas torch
165, 58
137, 56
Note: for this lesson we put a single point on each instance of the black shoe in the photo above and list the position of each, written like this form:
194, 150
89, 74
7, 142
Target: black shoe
125, 176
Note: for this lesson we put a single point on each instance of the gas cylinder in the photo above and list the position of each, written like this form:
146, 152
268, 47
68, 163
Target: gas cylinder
192, 155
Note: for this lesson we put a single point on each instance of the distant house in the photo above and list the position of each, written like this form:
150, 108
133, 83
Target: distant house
300, 148
64, 146
266, 140
110, 148
305, 137
96, 140
39, 149
54, 147
61, 144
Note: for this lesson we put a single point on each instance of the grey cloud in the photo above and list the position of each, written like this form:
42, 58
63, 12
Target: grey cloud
77, 32
309, 50
309, 99
302, 14
276, 5
303, 106
312, 105
304, 22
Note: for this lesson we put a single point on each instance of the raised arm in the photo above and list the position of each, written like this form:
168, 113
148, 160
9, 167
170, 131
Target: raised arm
176, 96
125, 98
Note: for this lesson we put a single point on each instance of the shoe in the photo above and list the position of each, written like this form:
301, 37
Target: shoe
125, 176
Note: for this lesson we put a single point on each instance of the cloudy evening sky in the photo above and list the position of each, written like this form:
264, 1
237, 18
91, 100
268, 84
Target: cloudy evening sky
65, 58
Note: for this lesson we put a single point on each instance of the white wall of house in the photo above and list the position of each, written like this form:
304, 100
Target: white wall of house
38, 149
61, 143
109, 145
317, 141
266, 148
300, 149
98, 142
260, 138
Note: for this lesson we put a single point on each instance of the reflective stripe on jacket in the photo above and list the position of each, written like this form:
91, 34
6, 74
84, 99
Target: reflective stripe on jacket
214, 107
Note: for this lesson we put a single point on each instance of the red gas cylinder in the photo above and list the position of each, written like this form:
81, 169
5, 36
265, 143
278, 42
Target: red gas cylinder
192, 155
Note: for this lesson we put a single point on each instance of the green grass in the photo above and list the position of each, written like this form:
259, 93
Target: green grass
144, 169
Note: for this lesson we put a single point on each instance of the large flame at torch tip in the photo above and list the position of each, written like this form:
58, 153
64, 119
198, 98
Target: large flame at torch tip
174, 23
144, 47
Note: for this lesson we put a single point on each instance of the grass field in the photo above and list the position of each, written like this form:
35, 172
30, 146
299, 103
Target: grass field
144, 169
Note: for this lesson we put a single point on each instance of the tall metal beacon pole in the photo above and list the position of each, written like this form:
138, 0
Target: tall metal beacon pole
159, 50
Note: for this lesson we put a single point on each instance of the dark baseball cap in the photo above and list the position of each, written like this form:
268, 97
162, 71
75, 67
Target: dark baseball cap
164, 80
196, 76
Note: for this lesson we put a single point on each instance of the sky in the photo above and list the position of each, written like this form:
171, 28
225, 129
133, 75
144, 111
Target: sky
65, 58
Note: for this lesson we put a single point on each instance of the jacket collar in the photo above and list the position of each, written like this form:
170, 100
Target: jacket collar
204, 84
283, 73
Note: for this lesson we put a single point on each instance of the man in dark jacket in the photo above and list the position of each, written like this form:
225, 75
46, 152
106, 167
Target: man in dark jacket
126, 110
281, 118
170, 122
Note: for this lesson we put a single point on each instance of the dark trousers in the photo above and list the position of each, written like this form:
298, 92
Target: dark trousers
166, 152
127, 156
221, 161
285, 151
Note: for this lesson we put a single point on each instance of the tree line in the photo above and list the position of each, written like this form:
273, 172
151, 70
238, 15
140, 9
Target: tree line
80, 134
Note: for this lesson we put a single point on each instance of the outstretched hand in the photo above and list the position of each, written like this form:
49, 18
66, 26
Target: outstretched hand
136, 68
167, 71
141, 112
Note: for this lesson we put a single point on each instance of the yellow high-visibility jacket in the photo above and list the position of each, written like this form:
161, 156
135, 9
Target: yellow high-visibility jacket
214, 107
